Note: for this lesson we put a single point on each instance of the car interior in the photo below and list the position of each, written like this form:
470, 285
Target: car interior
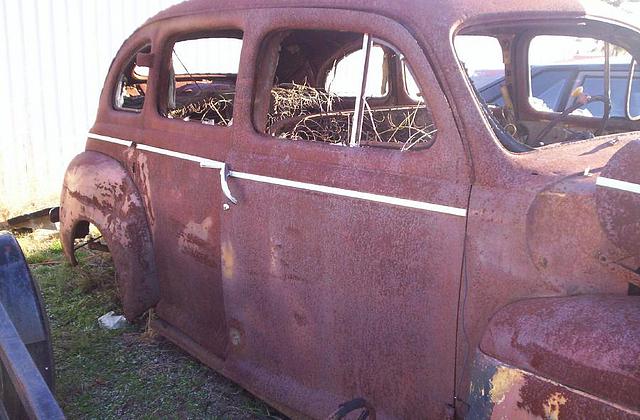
559, 84
315, 89
313, 81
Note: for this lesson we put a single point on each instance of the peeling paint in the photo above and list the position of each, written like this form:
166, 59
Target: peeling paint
228, 260
553, 404
519, 394
195, 241
503, 381
199, 230
97, 190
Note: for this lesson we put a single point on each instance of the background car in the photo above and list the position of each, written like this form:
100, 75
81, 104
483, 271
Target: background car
554, 84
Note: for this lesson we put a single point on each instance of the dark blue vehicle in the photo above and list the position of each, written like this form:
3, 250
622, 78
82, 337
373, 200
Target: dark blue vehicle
554, 84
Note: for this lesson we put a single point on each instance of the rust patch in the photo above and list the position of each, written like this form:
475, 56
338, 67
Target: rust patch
553, 404
141, 175
228, 260
585, 342
194, 241
503, 381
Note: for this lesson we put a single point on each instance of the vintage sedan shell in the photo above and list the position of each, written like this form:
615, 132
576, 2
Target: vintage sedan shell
460, 280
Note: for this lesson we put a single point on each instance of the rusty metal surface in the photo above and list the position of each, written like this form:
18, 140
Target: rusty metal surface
536, 235
311, 300
618, 210
185, 224
98, 190
359, 323
501, 391
591, 343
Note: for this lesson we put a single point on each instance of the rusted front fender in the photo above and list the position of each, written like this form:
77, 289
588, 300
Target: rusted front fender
574, 355
98, 190
502, 391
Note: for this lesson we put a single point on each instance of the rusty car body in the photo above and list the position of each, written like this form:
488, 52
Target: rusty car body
468, 274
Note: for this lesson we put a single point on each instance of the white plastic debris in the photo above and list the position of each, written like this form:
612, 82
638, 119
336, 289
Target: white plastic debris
110, 321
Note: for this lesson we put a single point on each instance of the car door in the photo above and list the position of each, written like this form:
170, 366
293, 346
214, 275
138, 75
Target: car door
189, 131
341, 265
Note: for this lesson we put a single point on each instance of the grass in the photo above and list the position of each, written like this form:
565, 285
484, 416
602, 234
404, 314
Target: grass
124, 374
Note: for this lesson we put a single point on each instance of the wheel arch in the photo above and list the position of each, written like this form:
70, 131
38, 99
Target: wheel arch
98, 190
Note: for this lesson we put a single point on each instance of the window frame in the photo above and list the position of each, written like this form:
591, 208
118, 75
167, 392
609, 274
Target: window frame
517, 36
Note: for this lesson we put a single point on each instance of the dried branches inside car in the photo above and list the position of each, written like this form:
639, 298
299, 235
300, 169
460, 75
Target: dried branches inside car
400, 127
216, 110
295, 100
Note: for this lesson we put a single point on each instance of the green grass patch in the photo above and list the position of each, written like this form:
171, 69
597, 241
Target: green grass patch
126, 373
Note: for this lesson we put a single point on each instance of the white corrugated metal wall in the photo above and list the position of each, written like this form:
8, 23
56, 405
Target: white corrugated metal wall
54, 55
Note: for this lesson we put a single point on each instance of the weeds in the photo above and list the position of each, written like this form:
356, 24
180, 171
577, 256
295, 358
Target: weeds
128, 373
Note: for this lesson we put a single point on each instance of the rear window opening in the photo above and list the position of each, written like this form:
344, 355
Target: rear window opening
132, 84
341, 79
202, 80
553, 88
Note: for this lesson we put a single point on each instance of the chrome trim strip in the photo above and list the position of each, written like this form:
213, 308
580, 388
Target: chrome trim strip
204, 163
125, 143
214, 164
352, 194
618, 185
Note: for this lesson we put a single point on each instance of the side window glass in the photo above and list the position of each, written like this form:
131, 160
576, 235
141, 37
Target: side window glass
344, 102
202, 82
634, 92
594, 83
132, 85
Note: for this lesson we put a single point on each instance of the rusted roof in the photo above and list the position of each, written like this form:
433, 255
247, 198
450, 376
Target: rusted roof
449, 13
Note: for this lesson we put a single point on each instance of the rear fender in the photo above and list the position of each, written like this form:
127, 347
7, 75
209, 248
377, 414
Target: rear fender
98, 190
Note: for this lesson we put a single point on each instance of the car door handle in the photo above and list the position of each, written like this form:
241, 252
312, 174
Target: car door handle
224, 175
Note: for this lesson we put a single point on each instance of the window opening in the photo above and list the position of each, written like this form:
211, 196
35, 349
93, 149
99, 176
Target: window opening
583, 84
203, 80
311, 100
341, 79
132, 85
